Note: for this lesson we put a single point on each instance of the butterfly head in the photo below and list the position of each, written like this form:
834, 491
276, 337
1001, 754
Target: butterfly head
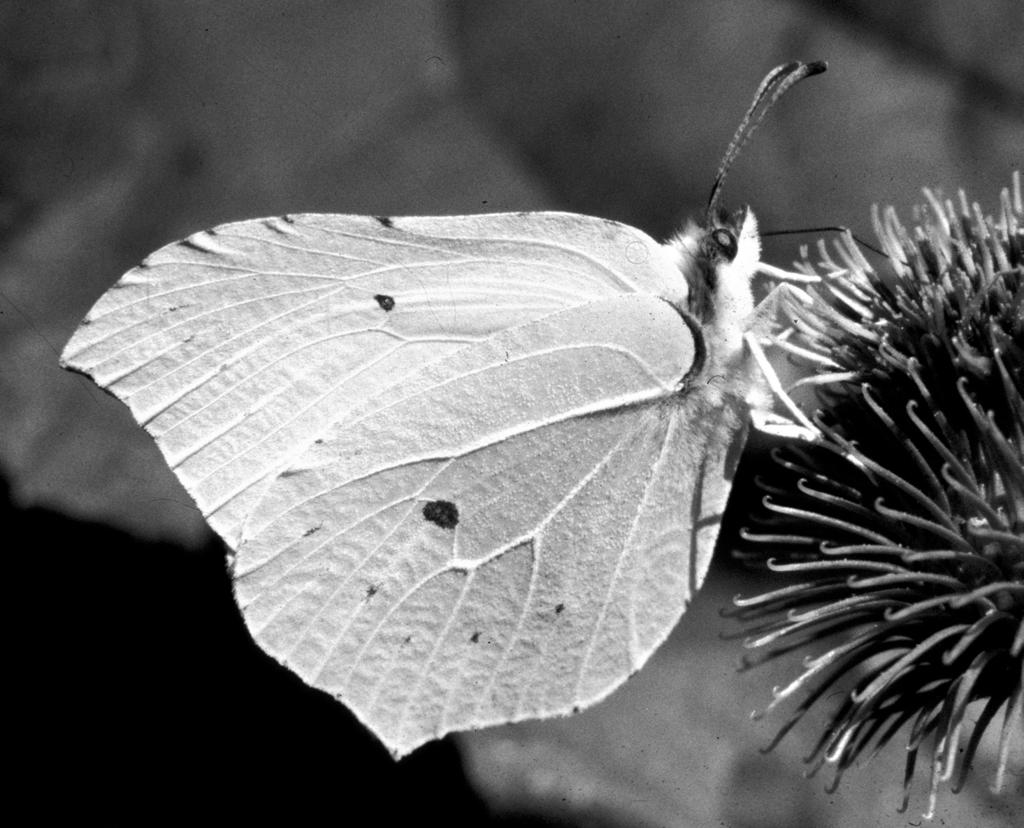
720, 258
718, 261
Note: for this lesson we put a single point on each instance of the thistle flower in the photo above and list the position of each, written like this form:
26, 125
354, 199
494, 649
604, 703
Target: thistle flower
904, 521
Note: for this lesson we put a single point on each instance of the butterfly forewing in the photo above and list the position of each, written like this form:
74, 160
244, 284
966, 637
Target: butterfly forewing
238, 347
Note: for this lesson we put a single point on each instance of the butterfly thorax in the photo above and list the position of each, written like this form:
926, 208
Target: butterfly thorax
718, 261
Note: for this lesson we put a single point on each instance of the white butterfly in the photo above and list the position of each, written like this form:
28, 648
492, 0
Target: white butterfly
472, 468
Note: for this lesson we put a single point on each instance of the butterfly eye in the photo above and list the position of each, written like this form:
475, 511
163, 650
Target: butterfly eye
725, 241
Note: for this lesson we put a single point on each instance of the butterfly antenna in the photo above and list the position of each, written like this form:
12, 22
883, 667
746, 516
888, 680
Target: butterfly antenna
829, 229
772, 88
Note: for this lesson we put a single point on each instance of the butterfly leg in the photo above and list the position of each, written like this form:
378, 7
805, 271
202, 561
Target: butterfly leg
780, 275
771, 423
761, 326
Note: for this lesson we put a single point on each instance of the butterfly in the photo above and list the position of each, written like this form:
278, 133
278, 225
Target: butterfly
471, 468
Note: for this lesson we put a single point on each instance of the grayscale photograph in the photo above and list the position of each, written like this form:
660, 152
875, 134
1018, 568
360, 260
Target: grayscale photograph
511, 413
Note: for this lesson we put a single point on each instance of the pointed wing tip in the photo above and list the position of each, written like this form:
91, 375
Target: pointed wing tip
68, 361
75, 346
399, 748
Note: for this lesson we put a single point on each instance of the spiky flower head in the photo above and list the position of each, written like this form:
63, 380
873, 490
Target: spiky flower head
904, 519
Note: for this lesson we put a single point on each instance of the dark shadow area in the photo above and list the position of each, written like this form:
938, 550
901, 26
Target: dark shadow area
142, 698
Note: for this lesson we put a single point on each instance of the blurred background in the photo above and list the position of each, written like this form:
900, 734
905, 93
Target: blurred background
126, 125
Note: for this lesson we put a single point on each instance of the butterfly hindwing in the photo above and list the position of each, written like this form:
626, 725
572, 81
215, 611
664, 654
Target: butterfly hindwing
423, 627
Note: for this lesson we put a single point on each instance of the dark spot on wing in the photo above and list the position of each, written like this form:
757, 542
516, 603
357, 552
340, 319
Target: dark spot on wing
559, 608
407, 640
475, 637
384, 221
274, 224
442, 512
312, 530
371, 590
575, 709
385, 301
